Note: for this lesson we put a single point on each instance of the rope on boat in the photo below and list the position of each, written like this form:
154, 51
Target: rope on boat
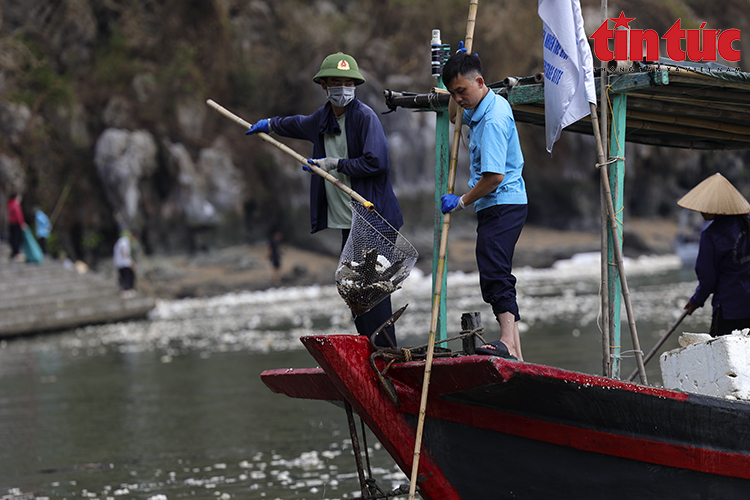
612, 159
462, 335
630, 353
432, 99
391, 355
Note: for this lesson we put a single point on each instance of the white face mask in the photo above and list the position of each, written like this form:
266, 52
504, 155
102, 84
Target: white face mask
341, 96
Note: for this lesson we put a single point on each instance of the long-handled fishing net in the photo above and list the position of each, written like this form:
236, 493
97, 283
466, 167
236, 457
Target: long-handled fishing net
376, 258
375, 261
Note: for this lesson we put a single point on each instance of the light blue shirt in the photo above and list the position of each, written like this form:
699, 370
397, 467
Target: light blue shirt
43, 226
494, 148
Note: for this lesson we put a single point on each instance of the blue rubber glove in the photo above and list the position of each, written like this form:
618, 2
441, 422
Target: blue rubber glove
461, 48
260, 126
326, 164
451, 203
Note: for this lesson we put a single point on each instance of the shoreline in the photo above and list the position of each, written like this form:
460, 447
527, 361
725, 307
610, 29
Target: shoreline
248, 268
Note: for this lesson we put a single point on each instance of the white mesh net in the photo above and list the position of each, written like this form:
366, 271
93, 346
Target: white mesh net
375, 261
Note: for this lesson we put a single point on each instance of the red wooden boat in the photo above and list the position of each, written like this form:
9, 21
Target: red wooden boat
498, 428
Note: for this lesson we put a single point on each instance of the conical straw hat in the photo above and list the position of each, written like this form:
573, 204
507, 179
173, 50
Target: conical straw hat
715, 195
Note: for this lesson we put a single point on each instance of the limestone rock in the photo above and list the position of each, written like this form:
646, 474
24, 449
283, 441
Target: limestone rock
224, 184
14, 118
191, 193
122, 159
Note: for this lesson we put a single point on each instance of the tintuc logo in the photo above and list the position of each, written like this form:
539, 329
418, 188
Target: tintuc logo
700, 44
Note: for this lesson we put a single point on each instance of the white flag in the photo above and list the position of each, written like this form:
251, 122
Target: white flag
568, 67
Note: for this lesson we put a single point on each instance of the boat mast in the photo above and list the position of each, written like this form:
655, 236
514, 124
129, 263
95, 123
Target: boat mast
440, 53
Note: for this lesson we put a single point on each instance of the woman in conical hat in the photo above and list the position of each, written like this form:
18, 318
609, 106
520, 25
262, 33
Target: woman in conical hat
723, 263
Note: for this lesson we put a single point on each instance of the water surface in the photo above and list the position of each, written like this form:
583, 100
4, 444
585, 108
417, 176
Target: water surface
173, 407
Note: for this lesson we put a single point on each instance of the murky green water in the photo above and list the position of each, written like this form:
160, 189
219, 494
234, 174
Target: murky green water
174, 407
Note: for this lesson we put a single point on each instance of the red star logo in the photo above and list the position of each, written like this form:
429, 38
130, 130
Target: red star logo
621, 21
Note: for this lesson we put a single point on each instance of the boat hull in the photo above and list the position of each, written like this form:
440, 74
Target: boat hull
498, 428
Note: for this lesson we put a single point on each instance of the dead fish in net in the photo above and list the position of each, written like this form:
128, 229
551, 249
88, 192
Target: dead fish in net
374, 268
361, 298
364, 284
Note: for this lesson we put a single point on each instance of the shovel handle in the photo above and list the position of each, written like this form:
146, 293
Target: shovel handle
355, 195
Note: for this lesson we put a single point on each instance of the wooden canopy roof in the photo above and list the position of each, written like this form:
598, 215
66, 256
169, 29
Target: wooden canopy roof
667, 105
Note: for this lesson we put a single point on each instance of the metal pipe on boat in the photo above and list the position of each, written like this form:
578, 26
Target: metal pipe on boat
356, 449
620, 66
510, 81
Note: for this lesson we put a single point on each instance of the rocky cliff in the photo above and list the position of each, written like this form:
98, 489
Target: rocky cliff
103, 115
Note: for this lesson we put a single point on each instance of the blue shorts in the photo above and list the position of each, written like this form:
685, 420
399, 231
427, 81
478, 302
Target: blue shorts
498, 229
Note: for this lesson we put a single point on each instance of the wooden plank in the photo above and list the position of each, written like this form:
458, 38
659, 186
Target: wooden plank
711, 126
682, 130
656, 105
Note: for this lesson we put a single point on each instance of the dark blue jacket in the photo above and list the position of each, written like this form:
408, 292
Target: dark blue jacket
367, 164
723, 267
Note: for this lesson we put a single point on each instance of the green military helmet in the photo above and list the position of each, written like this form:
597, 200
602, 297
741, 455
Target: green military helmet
339, 65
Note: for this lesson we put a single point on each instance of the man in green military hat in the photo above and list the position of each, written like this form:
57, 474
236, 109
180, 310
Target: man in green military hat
349, 143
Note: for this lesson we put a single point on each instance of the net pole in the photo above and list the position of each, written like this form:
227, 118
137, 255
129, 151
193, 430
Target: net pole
283, 147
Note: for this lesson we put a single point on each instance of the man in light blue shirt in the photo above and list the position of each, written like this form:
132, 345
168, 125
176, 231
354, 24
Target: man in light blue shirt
496, 189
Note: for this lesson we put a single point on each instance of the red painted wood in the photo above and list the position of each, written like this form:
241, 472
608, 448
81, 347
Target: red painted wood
345, 358
457, 374
345, 370
302, 383
642, 450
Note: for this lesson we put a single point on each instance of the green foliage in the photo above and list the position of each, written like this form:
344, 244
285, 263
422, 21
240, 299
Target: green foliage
115, 65
54, 248
92, 240
36, 83
183, 73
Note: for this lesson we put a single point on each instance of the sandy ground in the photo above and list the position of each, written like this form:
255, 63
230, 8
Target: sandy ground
247, 267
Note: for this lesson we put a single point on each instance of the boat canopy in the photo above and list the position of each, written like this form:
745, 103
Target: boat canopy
690, 105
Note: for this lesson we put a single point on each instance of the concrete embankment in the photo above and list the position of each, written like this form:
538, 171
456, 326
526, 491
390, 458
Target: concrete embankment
51, 296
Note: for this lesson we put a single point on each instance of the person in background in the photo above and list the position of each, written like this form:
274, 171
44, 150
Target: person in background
17, 225
723, 262
274, 255
123, 262
349, 143
43, 228
497, 191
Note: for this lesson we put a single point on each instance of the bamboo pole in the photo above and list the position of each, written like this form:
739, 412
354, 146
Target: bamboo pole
60, 202
355, 195
617, 250
468, 43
